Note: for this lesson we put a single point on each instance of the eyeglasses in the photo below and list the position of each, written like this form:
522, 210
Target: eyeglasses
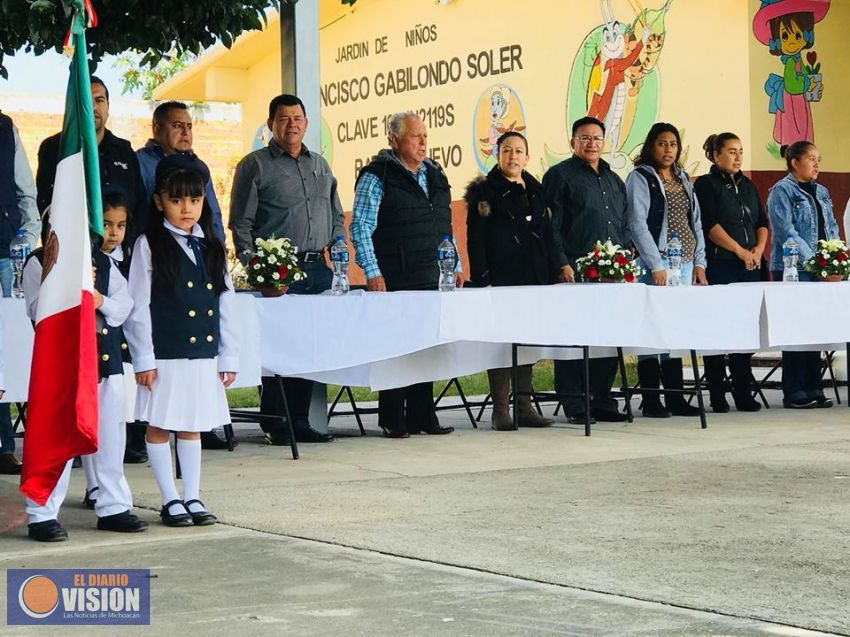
586, 139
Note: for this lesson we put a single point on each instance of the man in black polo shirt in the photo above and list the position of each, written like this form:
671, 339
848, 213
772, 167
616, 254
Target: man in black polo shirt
118, 162
588, 204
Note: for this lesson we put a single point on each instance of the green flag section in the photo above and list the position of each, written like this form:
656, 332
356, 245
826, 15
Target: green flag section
62, 413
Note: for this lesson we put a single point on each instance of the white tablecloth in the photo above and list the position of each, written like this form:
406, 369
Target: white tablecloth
395, 339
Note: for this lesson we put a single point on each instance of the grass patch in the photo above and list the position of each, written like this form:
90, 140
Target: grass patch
543, 379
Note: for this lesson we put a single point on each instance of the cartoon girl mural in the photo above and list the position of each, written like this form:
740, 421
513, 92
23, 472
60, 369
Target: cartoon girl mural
499, 104
497, 111
786, 27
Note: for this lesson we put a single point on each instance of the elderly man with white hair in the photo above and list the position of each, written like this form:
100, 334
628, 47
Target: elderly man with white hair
402, 209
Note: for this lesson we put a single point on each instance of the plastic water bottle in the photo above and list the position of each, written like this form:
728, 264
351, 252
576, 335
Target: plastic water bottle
339, 262
19, 250
447, 259
790, 256
674, 260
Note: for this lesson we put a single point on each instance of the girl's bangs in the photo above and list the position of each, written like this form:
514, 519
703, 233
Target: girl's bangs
183, 183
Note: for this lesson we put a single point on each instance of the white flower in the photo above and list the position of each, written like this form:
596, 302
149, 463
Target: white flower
823, 272
835, 262
257, 266
276, 276
272, 259
260, 279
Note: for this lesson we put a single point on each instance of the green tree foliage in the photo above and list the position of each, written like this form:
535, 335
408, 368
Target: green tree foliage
153, 28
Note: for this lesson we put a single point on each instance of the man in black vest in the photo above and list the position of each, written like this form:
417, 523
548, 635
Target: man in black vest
402, 209
17, 212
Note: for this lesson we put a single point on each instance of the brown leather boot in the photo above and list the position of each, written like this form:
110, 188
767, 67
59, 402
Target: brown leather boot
528, 416
500, 387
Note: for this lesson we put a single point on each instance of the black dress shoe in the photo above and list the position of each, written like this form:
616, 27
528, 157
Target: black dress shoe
719, 404
800, 403
90, 499
276, 438
200, 518
436, 430
747, 404
822, 402
135, 456
580, 419
210, 440
124, 522
395, 433
10, 465
305, 433
48, 531
607, 415
175, 519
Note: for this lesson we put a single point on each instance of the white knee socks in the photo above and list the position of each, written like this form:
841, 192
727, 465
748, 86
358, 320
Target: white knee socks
159, 455
189, 452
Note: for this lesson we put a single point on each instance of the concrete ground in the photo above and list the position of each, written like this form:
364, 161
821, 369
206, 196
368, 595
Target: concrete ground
652, 528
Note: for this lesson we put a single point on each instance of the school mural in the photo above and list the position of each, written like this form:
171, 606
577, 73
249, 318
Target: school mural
787, 28
614, 78
498, 111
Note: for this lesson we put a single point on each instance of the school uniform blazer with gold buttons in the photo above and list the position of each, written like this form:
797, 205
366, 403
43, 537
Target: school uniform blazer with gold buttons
189, 323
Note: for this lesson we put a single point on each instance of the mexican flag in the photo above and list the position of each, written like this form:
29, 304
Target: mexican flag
62, 405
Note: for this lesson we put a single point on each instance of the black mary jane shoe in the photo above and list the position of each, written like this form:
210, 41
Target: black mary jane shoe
89, 500
201, 518
124, 522
47, 531
175, 519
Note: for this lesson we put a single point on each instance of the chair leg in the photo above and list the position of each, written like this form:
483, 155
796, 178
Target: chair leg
698, 390
828, 368
292, 442
228, 436
355, 410
177, 472
465, 402
624, 384
484, 404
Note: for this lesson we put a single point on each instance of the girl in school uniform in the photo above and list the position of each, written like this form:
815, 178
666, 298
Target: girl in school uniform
181, 334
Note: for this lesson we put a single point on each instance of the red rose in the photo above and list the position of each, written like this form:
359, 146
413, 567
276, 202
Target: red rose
595, 253
821, 262
629, 277
841, 256
591, 273
283, 271
621, 260
254, 261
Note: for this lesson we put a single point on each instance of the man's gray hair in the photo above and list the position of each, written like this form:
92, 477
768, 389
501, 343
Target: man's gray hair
396, 123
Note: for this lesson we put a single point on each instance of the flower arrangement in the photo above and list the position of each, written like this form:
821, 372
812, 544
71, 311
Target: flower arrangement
274, 265
609, 262
830, 262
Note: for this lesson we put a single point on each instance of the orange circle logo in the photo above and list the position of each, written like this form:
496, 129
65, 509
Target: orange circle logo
38, 596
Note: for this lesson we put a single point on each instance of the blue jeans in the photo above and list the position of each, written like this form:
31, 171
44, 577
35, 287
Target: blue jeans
7, 442
6, 276
801, 379
686, 277
319, 279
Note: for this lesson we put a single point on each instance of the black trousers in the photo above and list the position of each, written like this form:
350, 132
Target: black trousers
801, 375
299, 392
407, 408
569, 379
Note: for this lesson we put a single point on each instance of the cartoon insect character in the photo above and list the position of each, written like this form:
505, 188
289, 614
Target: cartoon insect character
499, 104
608, 79
614, 78
786, 27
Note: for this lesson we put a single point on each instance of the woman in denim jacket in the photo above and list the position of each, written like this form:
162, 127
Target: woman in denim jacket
662, 202
800, 208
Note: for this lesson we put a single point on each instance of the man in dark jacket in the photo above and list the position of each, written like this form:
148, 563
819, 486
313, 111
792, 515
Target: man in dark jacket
588, 204
118, 162
402, 209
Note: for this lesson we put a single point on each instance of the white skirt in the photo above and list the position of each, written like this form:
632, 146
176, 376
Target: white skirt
187, 395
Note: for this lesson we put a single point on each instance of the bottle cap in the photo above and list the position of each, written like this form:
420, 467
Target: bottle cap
339, 237
20, 232
444, 237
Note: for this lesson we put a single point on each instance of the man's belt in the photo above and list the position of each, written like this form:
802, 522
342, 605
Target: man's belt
310, 257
